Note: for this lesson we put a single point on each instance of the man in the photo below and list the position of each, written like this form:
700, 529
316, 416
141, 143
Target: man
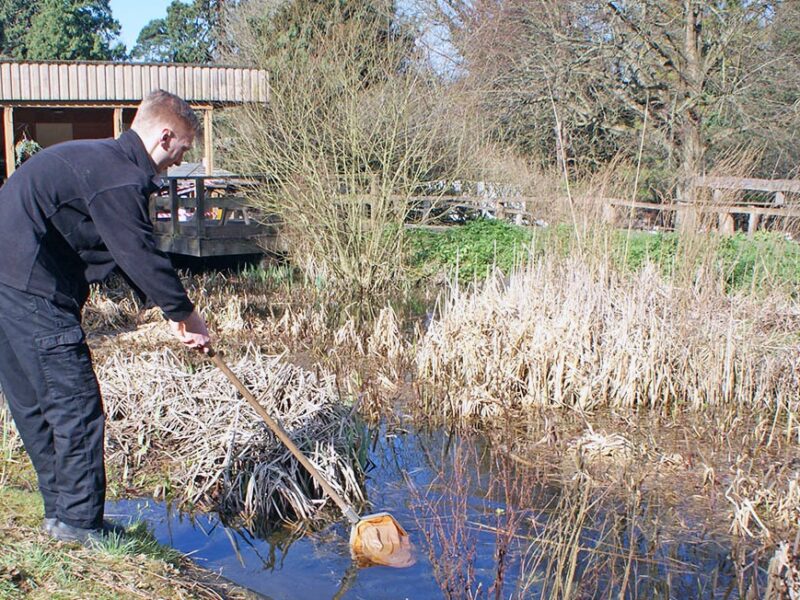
68, 217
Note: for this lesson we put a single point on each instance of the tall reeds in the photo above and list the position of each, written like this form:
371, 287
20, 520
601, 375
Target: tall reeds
579, 333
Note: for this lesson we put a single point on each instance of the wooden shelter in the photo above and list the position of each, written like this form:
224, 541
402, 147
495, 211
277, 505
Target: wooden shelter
55, 101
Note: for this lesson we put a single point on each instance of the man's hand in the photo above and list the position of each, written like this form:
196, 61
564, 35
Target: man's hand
192, 332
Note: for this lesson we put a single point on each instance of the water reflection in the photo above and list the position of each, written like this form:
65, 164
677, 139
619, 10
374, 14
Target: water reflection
548, 540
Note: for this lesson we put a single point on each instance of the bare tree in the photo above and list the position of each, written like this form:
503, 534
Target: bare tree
698, 69
353, 130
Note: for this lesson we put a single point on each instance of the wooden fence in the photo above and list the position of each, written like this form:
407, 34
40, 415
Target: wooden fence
730, 196
209, 215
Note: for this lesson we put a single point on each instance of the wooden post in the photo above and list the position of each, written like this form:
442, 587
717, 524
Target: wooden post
687, 218
609, 214
752, 223
173, 203
208, 140
780, 199
372, 206
200, 212
8, 128
118, 125
726, 225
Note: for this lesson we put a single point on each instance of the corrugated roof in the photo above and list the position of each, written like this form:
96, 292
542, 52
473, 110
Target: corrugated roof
73, 81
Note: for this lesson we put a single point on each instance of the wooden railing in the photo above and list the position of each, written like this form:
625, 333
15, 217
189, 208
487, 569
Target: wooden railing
209, 216
689, 214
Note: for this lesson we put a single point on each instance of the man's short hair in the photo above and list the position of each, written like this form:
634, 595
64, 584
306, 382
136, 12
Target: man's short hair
160, 105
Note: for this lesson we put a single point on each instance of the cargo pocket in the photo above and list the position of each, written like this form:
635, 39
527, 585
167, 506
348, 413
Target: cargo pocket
67, 363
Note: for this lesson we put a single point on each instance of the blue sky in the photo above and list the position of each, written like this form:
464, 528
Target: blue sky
135, 14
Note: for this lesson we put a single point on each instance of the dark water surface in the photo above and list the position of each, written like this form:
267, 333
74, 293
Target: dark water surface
695, 563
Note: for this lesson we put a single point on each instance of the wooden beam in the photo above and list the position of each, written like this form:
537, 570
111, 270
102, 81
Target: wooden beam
748, 183
786, 211
8, 129
118, 124
208, 140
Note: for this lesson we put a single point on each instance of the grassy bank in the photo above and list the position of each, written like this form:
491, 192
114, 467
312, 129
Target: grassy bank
766, 261
33, 565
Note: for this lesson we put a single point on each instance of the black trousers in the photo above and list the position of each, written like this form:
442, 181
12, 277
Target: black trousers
47, 377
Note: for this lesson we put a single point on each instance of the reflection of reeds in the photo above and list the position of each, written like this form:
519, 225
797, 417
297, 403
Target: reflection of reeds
220, 453
551, 561
564, 537
442, 512
578, 333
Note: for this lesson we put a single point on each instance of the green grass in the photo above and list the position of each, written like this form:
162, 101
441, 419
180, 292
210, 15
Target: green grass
34, 566
271, 275
471, 249
138, 540
766, 261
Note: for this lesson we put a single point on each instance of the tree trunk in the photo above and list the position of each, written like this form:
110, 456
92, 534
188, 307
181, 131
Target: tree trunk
693, 149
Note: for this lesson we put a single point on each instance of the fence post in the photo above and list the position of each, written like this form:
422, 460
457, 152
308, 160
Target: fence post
374, 192
173, 205
609, 213
687, 218
726, 224
752, 223
200, 192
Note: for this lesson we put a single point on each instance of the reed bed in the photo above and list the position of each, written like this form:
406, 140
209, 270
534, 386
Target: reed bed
218, 451
577, 333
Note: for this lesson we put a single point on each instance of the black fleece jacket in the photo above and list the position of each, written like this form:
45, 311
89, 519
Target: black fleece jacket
73, 212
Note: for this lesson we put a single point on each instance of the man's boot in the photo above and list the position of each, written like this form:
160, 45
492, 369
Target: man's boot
67, 533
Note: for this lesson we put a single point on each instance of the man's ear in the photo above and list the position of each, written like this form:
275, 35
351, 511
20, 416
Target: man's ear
166, 134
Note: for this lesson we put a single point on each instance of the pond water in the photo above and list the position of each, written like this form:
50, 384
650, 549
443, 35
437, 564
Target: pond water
452, 510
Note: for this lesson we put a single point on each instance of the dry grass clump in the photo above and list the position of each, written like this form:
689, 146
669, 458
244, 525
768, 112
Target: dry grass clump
578, 333
221, 454
763, 504
111, 306
784, 573
598, 447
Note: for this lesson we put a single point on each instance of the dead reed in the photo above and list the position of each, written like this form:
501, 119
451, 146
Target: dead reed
217, 451
784, 573
580, 334
10, 444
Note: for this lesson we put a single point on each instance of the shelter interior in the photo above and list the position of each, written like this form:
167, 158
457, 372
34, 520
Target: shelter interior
48, 125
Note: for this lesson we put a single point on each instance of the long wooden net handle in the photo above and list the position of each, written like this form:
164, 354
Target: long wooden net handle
279, 431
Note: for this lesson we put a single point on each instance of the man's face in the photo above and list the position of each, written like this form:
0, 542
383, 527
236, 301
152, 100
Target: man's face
173, 145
